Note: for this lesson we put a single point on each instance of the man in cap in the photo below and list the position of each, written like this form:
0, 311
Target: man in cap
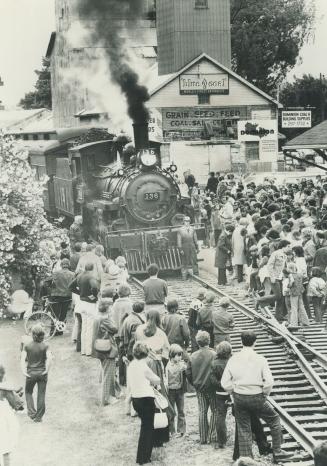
188, 246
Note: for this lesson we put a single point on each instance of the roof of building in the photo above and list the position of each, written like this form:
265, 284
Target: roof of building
43, 125
156, 82
51, 43
11, 118
314, 138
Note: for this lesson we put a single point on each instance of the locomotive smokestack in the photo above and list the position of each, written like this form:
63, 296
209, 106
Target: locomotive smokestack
141, 135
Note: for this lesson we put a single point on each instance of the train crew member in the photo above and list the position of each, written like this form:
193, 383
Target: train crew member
198, 373
155, 290
248, 378
76, 231
188, 245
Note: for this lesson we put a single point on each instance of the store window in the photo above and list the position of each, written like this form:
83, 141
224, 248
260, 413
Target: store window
201, 3
203, 99
252, 150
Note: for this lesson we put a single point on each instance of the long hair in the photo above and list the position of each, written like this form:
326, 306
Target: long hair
152, 323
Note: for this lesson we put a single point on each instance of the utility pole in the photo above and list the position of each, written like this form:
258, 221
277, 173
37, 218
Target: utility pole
322, 96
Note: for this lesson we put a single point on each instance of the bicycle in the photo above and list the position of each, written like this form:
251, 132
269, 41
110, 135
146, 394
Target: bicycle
47, 318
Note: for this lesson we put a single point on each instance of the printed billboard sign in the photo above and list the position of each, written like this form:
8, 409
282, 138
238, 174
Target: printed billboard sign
296, 119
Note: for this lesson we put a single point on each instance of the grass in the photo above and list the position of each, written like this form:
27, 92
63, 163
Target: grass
77, 431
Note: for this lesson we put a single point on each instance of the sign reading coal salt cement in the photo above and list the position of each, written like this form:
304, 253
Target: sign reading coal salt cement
209, 83
296, 119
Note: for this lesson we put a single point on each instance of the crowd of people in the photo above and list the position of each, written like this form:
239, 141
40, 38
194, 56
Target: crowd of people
272, 238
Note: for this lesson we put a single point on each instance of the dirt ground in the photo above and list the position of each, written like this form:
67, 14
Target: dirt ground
77, 431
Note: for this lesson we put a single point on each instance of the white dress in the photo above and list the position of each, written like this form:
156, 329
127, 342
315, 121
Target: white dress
8, 428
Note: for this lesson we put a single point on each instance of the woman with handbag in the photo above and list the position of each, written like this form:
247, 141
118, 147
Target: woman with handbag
105, 349
157, 341
140, 382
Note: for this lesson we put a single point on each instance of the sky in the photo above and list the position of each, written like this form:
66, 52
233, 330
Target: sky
26, 25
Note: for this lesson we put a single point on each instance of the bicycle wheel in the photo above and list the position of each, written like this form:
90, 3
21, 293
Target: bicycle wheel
43, 318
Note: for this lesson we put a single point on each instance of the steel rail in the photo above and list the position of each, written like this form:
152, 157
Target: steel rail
292, 426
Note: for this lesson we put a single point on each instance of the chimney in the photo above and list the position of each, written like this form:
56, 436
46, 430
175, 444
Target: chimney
141, 135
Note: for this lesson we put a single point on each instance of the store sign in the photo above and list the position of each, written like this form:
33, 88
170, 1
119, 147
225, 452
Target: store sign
257, 130
155, 125
213, 83
296, 119
193, 118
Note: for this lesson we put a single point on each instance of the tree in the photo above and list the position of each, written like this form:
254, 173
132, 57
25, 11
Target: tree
307, 91
23, 226
267, 36
41, 97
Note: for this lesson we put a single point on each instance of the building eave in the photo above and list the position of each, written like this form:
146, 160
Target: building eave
224, 68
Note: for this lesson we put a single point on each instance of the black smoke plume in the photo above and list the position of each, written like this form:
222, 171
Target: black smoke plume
105, 18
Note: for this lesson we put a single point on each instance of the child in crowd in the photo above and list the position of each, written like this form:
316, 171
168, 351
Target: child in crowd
298, 314
317, 292
195, 306
175, 374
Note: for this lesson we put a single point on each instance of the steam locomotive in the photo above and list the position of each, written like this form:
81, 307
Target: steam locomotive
129, 203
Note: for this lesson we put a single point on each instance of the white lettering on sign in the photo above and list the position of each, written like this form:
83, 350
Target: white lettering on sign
215, 83
296, 119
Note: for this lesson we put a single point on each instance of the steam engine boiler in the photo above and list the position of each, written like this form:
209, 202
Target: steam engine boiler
129, 203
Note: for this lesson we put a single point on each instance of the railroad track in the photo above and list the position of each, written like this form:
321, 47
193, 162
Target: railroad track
300, 370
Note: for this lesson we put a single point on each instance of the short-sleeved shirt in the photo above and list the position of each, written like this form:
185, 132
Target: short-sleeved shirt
36, 357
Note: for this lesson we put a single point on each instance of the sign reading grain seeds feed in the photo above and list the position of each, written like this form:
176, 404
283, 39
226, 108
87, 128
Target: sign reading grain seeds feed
208, 83
296, 119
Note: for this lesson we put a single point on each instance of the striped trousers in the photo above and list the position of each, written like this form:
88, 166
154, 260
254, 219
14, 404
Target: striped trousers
245, 405
206, 399
108, 380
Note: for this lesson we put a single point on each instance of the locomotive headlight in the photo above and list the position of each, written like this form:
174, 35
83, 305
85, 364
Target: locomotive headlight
148, 157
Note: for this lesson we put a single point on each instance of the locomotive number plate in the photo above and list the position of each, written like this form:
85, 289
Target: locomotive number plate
151, 196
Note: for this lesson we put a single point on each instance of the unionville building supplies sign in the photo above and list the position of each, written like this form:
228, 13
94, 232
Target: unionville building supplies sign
209, 83
296, 119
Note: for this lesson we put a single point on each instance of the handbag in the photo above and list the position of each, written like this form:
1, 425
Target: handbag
160, 401
160, 420
106, 345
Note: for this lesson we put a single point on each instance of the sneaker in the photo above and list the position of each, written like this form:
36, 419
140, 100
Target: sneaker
282, 455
